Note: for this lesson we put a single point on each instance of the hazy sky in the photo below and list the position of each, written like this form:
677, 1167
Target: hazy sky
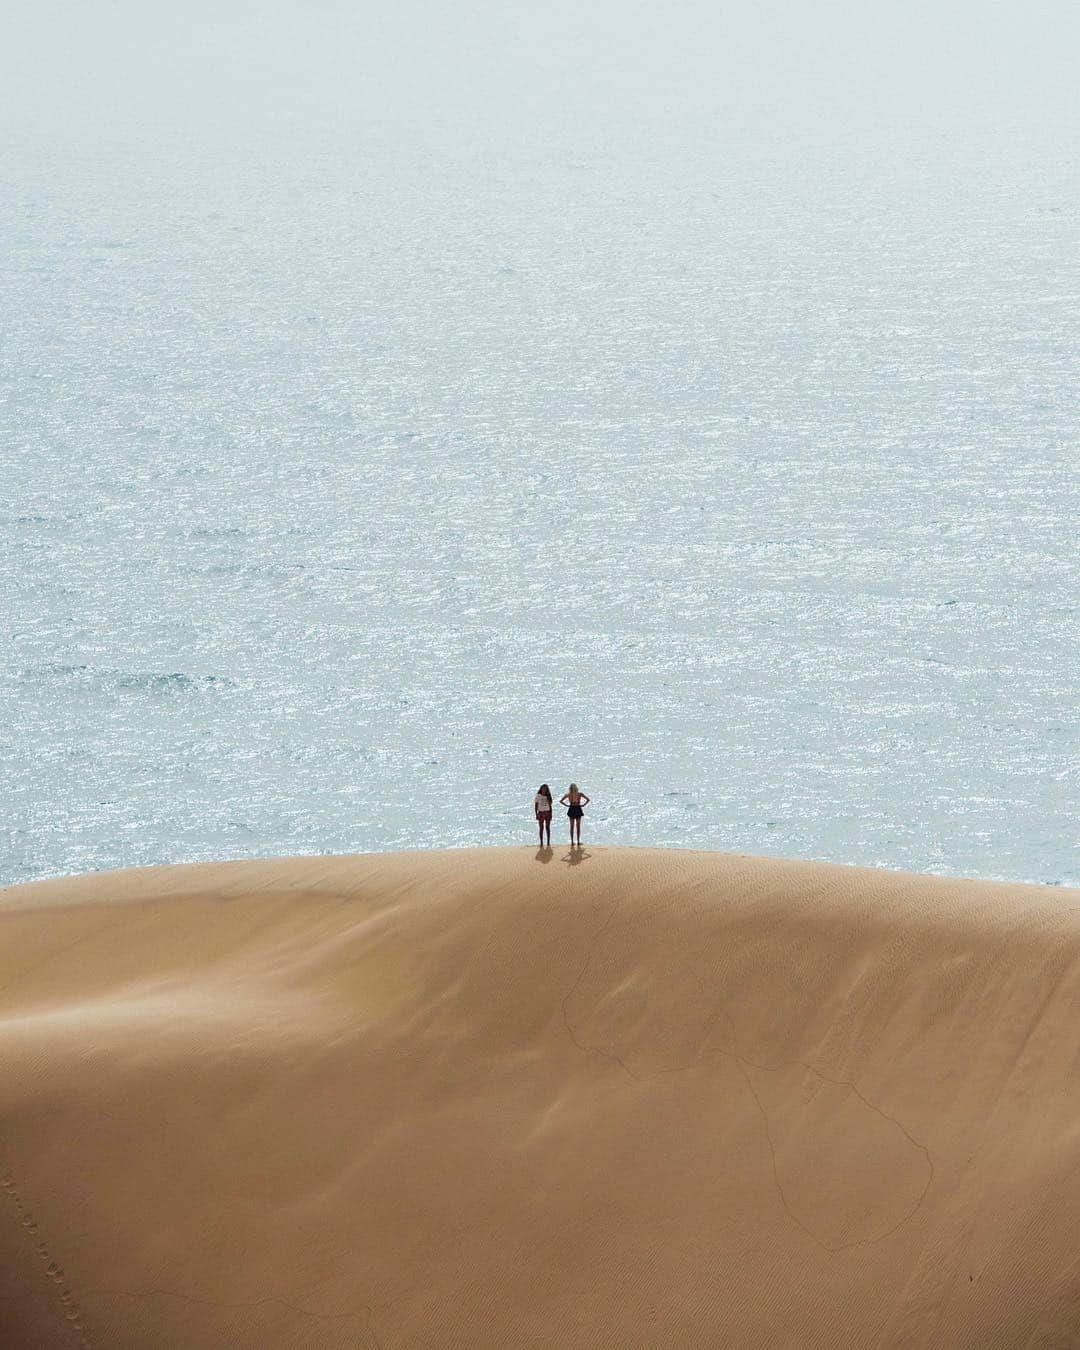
508, 69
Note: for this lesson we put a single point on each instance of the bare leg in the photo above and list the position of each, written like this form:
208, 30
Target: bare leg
545, 825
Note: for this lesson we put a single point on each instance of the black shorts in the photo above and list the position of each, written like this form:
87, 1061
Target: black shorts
575, 812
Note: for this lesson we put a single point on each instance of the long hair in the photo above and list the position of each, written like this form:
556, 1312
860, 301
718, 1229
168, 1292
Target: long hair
574, 793
544, 791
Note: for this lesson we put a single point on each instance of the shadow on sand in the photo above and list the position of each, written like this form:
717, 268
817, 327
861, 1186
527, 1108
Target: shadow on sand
575, 856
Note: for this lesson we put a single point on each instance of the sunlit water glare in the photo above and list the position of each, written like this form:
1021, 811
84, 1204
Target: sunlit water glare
350, 493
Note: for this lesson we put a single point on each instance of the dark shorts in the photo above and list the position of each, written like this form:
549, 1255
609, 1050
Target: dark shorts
575, 813
544, 815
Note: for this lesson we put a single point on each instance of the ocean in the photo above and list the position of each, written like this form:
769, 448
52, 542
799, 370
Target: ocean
354, 485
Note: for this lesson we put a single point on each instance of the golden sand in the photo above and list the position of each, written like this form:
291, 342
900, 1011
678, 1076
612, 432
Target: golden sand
622, 1098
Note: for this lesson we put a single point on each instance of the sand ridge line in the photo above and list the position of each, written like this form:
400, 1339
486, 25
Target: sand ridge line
46, 960
54, 1273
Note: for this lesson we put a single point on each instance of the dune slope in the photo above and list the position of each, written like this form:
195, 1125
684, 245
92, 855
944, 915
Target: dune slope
487, 1099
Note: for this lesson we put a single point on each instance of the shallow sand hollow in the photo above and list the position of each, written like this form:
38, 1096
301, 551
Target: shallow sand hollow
476, 1099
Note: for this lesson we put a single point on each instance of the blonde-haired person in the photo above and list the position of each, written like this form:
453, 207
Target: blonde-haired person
576, 801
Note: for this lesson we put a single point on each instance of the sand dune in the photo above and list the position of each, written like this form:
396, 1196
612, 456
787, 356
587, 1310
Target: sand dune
475, 1099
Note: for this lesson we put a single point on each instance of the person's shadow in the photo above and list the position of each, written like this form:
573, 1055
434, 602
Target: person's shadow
575, 856
544, 855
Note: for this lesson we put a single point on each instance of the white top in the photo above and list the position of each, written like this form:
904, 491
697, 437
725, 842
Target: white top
541, 803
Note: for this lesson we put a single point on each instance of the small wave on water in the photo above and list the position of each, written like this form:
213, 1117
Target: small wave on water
40, 518
177, 682
152, 682
255, 571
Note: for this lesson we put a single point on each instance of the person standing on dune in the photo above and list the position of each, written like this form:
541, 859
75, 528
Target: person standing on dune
542, 810
576, 801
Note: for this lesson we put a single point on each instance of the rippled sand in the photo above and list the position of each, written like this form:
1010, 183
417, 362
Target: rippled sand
499, 1098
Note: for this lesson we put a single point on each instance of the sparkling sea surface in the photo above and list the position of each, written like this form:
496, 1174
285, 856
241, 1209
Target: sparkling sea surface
349, 491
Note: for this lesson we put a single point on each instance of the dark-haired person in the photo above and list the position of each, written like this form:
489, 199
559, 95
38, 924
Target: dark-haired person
575, 801
542, 810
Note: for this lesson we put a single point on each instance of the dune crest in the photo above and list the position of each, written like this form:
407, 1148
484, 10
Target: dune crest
479, 1098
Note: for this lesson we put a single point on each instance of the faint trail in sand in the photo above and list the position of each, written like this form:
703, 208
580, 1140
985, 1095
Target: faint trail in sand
73, 1317
593, 1049
745, 1064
